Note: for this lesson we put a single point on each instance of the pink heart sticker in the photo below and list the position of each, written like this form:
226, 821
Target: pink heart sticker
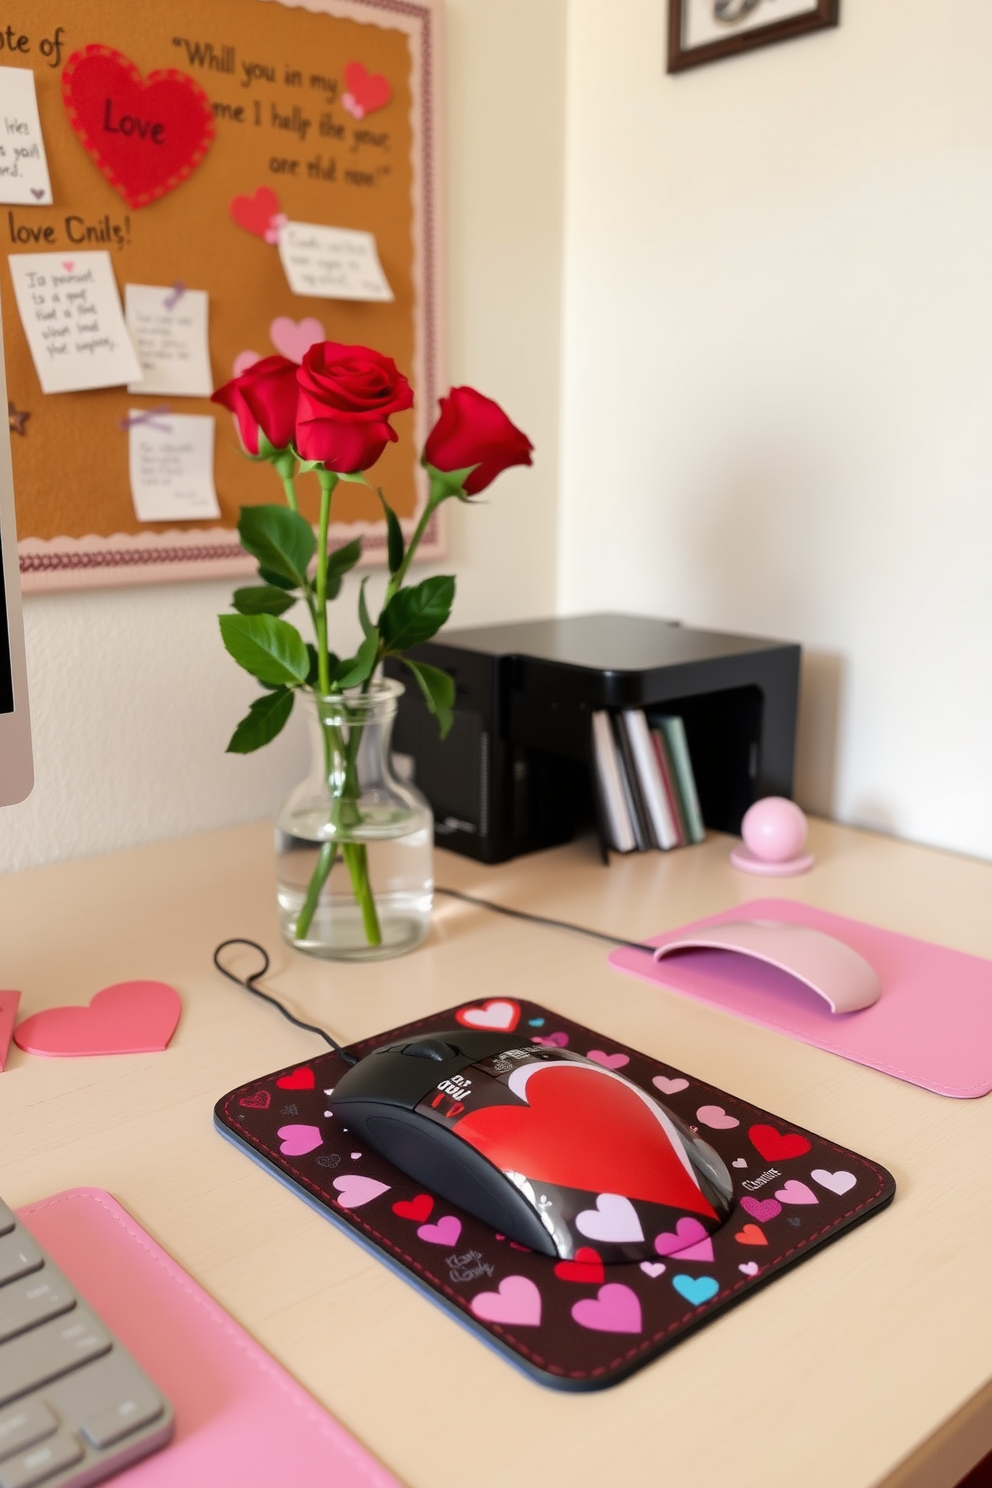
128, 1018
298, 1139
615, 1310
669, 1087
608, 1061
445, 1232
653, 1269
749, 1268
795, 1192
716, 1117
293, 338
518, 1302
367, 91
69, 265
761, 1209
613, 1220
354, 1190
553, 1041
244, 360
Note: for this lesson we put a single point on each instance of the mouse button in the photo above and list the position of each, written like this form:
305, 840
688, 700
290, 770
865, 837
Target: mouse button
453, 1170
431, 1048
387, 1079
477, 1043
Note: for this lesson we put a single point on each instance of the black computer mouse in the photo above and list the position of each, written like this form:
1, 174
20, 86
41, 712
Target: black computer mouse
550, 1148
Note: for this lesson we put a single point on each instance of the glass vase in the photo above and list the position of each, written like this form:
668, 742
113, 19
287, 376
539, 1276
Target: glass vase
354, 843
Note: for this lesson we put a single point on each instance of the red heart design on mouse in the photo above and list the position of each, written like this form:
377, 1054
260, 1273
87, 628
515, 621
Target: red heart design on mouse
128, 1018
145, 134
603, 1138
370, 90
255, 213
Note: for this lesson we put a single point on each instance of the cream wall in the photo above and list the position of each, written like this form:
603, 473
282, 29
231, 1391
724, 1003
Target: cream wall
778, 377
133, 699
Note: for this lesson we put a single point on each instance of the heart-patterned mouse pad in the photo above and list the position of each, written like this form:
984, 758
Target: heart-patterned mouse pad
578, 1324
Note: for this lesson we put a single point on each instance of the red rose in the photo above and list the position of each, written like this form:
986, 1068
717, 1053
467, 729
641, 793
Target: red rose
347, 394
263, 400
473, 430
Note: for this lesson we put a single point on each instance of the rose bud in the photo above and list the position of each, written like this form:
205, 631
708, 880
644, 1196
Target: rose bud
347, 394
263, 400
473, 430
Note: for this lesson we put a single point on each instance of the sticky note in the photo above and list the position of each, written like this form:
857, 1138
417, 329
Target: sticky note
169, 330
332, 263
171, 464
72, 317
23, 166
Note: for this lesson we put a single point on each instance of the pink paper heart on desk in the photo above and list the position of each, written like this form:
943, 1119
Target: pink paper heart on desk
8, 1012
244, 360
293, 338
128, 1018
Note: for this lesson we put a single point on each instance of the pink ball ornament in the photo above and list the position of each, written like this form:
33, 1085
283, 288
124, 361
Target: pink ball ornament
774, 832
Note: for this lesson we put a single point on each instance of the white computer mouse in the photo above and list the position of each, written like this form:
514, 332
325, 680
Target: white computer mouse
842, 977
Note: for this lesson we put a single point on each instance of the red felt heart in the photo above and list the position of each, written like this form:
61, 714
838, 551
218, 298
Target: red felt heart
774, 1146
255, 213
585, 1267
128, 1018
146, 134
370, 90
603, 1138
417, 1209
300, 1079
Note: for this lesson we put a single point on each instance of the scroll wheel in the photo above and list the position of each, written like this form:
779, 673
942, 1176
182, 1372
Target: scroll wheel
430, 1049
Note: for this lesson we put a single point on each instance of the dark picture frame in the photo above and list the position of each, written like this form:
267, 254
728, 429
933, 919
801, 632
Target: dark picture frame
680, 56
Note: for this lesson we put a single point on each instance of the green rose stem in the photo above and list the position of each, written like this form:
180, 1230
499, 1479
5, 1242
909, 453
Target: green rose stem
344, 812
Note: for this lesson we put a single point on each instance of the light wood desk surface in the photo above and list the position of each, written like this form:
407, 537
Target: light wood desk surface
871, 1362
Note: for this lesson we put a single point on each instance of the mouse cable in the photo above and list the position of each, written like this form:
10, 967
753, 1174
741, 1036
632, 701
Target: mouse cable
248, 984
523, 914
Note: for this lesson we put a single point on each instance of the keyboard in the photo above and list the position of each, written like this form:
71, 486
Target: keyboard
74, 1406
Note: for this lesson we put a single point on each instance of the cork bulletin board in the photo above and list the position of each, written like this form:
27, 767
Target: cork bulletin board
323, 112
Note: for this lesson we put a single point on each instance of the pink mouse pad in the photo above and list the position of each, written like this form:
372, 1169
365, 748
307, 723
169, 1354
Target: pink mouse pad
931, 1026
241, 1420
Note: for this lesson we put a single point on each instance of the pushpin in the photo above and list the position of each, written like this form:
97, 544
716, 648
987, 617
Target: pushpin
774, 832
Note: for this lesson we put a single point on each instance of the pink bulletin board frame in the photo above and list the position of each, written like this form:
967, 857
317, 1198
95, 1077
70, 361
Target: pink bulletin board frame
100, 560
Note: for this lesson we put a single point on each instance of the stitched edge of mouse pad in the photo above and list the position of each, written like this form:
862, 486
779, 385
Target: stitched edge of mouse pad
575, 1325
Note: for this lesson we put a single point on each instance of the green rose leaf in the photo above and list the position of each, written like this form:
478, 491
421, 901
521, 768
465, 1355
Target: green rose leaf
438, 690
358, 668
365, 619
268, 577
280, 539
395, 546
262, 599
414, 615
272, 650
340, 562
266, 717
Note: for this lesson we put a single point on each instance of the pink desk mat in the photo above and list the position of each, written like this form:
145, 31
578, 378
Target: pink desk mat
241, 1420
931, 1026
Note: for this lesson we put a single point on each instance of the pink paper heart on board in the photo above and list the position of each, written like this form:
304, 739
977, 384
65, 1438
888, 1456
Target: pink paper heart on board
128, 1018
292, 338
244, 360
615, 1310
669, 1087
517, 1302
608, 1061
716, 1117
297, 1140
445, 1232
761, 1209
354, 1190
367, 91
795, 1192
